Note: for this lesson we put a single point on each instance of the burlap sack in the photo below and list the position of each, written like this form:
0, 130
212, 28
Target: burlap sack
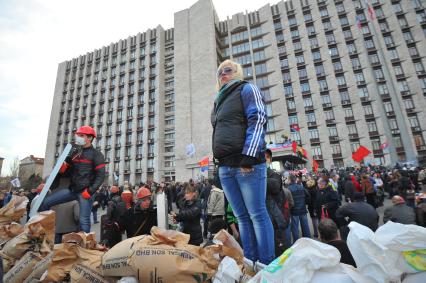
10, 231
38, 236
39, 269
8, 262
11, 212
81, 273
84, 240
165, 256
66, 255
114, 261
22, 268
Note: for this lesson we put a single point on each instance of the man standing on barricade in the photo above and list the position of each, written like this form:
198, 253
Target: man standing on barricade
86, 168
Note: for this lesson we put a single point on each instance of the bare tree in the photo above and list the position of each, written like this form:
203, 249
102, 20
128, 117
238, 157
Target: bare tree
14, 167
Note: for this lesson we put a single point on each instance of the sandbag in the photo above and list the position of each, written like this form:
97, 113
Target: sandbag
22, 268
10, 231
38, 236
13, 210
84, 240
66, 255
114, 261
81, 273
166, 256
8, 262
299, 263
382, 256
39, 269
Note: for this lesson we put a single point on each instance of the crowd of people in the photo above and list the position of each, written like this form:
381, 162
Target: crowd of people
263, 209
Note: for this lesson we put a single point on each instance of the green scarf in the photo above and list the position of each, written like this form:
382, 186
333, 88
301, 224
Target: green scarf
222, 90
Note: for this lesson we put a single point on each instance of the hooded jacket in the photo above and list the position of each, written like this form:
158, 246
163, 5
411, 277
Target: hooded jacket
239, 125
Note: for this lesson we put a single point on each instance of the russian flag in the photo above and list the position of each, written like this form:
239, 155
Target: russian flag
294, 128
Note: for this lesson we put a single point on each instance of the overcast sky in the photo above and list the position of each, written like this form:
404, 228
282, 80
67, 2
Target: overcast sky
36, 35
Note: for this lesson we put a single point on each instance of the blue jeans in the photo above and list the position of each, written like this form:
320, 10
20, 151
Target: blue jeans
66, 195
246, 192
303, 219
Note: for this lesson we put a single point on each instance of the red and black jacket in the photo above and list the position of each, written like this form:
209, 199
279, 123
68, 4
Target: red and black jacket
86, 170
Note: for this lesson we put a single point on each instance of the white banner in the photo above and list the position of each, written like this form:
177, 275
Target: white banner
16, 183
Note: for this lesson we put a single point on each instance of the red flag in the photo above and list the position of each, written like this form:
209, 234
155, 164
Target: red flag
314, 165
371, 11
204, 162
358, 22
359, 155
294, 146
305, 154
294, 128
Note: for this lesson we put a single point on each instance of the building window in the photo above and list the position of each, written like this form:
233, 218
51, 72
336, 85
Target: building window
348, 112
304, 87
372, 126
329, 115
332, 131
414, 121
335, 149
340, 80
307, 102
355, 146
368, 109
291, 104
316, 151
313, 134
388, 106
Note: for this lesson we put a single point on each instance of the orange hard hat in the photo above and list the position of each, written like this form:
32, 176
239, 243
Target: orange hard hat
143, 192
114, 189
86, 130
127, 195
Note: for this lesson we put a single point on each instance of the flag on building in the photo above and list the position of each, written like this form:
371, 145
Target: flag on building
16, 183
358, 22
294, 128
294, 146
315, 165
305, 154
359, 155
384, 145
190, 150
204, 164
370, 9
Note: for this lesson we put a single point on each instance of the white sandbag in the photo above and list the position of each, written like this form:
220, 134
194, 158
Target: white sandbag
228, 271
405, 243
385, 255
299, 263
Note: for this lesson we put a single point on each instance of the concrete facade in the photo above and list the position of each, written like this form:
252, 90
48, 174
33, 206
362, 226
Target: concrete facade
344, 77
30, 165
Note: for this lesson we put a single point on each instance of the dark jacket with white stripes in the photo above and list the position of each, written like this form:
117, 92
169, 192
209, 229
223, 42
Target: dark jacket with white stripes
87, 170
239, 126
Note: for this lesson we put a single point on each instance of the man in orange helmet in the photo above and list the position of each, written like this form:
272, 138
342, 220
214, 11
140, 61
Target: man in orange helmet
86, 168
115, 210
139, 219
